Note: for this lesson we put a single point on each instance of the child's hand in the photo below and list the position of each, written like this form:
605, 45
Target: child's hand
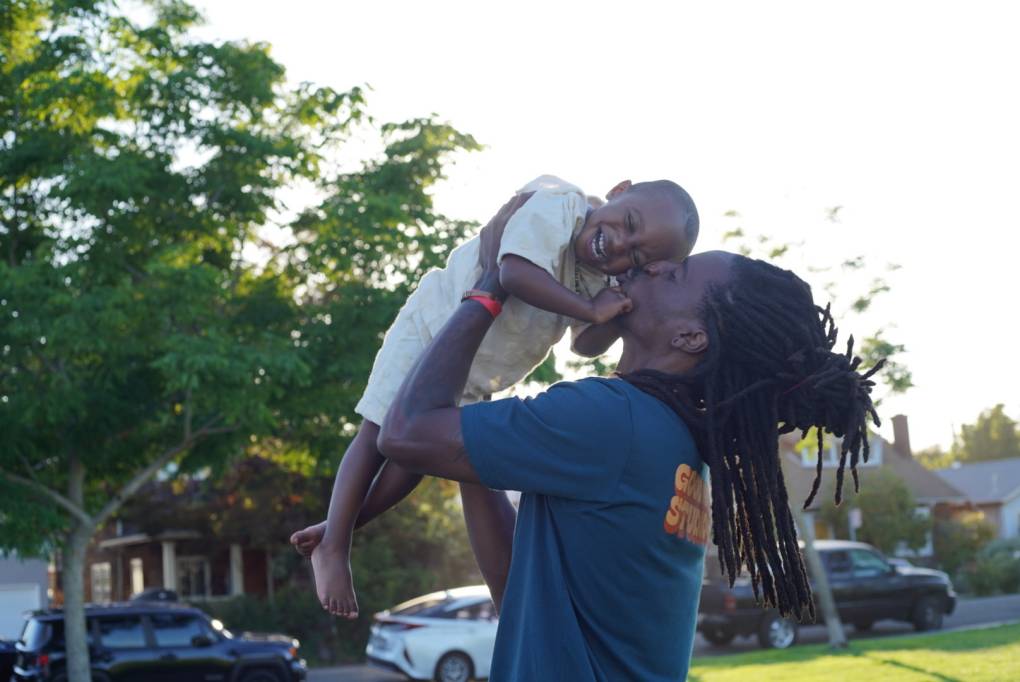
609, 303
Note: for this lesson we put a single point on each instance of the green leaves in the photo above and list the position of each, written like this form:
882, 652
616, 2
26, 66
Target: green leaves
142, 309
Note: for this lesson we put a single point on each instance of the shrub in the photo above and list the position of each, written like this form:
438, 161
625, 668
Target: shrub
957, 540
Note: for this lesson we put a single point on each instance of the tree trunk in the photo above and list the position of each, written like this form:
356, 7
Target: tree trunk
75, 635
837, 638
74, 604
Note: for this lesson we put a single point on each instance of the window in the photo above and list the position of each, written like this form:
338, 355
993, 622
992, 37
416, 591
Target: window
837, 563
102, 586
121, 632
193, 576
137, 576
868, 564
176, 629
35, 634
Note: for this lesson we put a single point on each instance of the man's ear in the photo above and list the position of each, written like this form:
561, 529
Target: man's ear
691, 338
620, 188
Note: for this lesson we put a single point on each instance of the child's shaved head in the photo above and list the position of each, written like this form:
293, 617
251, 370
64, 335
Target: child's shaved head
689, 221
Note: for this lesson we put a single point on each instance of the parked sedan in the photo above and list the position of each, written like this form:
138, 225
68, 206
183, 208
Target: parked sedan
866, 586
447, 636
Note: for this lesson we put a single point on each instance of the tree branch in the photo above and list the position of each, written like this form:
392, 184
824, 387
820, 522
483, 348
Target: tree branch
148, 472
43, 490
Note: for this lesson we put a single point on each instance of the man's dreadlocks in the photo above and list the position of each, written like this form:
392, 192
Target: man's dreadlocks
769, 369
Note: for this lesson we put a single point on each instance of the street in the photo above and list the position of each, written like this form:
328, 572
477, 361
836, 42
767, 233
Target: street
969, 612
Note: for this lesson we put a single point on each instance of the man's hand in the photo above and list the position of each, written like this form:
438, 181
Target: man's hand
609, 303
491, 236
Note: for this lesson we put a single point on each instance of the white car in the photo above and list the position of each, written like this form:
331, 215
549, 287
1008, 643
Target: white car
447, 636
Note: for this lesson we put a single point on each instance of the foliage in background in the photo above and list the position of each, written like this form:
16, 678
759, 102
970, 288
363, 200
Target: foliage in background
148, 318
888, 512
996, 568
956, 541
846, 301
993, 435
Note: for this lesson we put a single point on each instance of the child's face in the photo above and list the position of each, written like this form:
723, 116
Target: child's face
631, 229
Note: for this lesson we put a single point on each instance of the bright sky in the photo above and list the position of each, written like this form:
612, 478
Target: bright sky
906, 114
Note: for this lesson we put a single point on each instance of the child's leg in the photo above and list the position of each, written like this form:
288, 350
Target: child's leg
393, 484
331, 558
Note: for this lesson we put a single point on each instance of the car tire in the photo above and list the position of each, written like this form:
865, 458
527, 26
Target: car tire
718, 636
863, 625
260, 675
928, 613
454, 667
776, 632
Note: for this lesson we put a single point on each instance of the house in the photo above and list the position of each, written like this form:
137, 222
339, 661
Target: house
24, 586
204, 539
931, 493
123, 560
991, 487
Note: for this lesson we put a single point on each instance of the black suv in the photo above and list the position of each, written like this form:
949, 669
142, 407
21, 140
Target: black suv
155, 642
867, 587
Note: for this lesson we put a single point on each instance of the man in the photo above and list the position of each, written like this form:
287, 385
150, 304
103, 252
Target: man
600, 579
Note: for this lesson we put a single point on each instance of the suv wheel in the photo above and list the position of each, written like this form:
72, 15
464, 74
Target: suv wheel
718, 636
776, 632
260, 675
454, 667
928, 612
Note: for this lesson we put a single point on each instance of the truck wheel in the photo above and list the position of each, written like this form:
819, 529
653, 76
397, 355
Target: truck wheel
776, 632
454, 667
718, 636
928, 612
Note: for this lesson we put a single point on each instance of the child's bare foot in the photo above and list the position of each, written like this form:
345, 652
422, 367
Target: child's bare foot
333, 583
307, 539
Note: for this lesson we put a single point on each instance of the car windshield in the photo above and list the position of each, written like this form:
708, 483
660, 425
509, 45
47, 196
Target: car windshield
217, 625
35, 634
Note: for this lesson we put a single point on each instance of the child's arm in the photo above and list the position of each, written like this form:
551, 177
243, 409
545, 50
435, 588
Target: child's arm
596, 339
536, 287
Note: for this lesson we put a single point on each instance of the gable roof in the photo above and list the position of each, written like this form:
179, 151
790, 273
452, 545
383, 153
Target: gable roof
926, 486
996, 480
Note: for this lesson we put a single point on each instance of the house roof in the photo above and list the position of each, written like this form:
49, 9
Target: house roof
996, 480
926, 486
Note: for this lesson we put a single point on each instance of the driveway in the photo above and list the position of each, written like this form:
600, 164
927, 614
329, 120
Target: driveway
969, 612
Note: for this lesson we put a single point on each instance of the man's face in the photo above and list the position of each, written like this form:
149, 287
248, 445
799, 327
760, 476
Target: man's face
632, 229
667, 295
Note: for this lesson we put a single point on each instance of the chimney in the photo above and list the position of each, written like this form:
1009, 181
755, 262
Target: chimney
901, 435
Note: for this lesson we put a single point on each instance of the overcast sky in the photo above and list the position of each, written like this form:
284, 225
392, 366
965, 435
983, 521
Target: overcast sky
905, 114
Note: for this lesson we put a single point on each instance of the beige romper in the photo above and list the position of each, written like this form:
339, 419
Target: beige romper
519, 340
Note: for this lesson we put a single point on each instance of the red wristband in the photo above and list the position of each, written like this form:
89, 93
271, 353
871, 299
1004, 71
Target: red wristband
492, 305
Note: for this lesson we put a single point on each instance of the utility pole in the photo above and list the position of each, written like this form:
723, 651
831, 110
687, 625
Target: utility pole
837, 636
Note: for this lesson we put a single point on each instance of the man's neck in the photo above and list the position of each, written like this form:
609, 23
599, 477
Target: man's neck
636, 357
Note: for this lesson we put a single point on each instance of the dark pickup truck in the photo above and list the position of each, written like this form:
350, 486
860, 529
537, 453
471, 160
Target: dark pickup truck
867, 587
155, 642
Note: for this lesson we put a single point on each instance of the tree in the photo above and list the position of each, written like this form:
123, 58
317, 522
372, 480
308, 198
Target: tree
957, 540
888, 513
138, 168
934, 458
993, 436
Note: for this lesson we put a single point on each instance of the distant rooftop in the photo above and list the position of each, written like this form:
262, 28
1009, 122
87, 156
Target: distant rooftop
996, 480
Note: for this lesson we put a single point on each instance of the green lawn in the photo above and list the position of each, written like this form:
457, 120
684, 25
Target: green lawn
972, 656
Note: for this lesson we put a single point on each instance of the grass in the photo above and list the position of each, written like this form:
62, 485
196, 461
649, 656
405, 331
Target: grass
987, 655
